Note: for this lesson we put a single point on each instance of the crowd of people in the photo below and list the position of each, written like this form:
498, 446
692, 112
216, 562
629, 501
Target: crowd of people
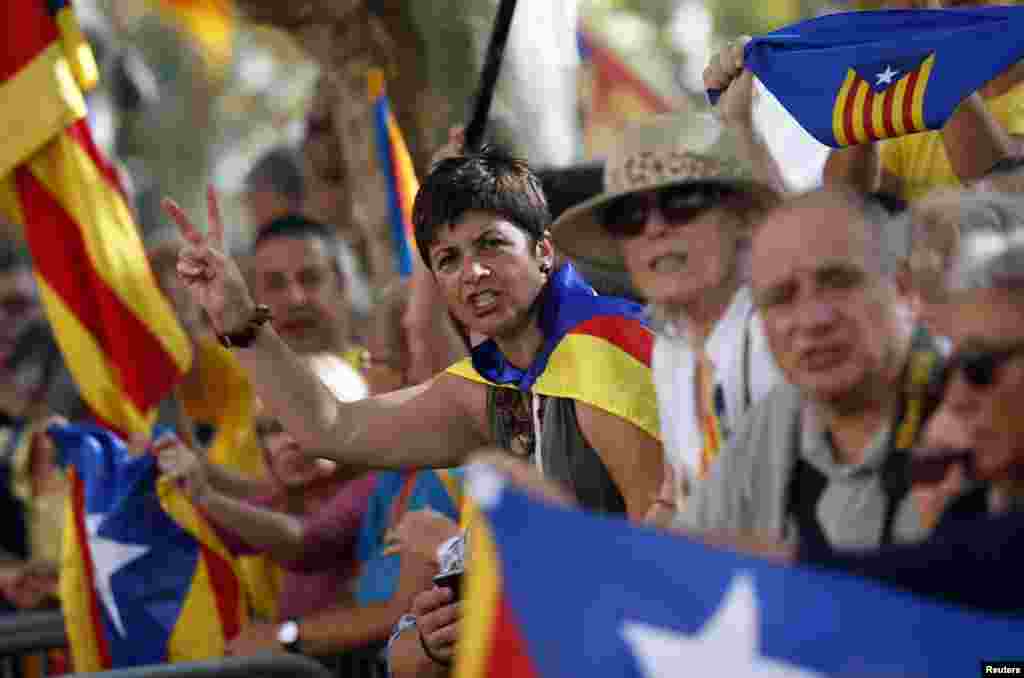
827, 379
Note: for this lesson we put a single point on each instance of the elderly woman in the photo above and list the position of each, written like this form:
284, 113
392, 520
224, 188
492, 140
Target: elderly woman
676, 215
974, 554
563, 380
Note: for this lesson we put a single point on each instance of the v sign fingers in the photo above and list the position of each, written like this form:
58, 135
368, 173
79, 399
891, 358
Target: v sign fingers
216, 233
213, 280
188, 231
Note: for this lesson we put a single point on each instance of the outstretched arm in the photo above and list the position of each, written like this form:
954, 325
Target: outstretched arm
435, 424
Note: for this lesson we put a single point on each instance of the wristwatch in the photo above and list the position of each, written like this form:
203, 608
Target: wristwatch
288, 636
244, 337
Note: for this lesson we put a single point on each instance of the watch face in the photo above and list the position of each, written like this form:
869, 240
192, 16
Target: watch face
288, 632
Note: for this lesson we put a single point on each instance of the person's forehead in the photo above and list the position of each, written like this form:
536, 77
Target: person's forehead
808, 239
471, 225
290, 254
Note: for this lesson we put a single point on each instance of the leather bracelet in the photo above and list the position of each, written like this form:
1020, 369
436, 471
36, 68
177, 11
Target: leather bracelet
426, 650
244, 337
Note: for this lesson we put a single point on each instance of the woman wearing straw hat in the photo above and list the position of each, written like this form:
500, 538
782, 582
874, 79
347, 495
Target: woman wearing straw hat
675, 213
563, 380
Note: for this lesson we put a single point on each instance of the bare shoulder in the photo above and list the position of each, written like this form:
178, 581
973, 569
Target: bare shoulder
603, 429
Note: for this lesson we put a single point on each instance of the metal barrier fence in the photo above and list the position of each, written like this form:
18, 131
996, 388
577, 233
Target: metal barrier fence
259, 666
31, 632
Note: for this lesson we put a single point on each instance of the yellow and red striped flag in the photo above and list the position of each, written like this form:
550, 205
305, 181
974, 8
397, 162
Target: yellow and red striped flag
868, 111
121, 340
119, 335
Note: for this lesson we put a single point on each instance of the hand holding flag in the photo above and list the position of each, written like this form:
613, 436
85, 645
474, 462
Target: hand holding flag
211, 276
730, 85
856, 77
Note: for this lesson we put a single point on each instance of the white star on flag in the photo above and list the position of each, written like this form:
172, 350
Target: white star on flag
886, 76
728, 645
109, 557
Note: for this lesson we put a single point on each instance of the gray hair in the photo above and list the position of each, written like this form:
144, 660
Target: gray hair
888, 238
991, 252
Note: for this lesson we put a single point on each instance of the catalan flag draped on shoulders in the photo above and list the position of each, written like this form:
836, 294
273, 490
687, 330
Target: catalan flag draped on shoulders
125, 349
597, 351
857, 77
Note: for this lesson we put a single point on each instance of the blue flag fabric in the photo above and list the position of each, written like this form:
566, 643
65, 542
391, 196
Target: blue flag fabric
857, 77
617, 600
152, 582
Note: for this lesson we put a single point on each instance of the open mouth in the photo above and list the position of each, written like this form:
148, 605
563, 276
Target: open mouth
674, 262
823, 358
483, 302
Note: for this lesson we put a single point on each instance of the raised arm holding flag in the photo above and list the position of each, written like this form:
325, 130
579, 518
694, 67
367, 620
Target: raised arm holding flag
854, 79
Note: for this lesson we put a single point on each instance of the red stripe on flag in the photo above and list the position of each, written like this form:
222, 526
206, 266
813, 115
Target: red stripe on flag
848, 105
61, 258
908, 102
28, 30
867, 112
629, 335
82, 537
225, 590
508, 656
79, 131
890, 94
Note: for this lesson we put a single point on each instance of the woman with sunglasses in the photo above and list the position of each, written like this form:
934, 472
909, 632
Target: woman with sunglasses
675, 215
973, 556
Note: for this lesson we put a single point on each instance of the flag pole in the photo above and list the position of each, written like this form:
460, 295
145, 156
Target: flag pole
489, 75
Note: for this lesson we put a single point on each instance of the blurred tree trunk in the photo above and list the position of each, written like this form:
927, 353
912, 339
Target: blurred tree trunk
347, 39
431, 53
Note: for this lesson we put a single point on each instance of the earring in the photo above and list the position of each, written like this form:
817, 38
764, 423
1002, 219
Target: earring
545, 268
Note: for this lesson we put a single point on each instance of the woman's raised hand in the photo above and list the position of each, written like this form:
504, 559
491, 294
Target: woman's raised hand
210, 275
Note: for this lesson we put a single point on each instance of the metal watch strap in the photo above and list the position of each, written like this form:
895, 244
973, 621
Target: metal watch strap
244, 337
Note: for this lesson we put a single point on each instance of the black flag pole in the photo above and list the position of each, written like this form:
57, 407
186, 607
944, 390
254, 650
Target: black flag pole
489, 76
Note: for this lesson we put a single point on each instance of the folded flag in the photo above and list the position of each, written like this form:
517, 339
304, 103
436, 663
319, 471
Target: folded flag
152, 581
617, 600
856, 77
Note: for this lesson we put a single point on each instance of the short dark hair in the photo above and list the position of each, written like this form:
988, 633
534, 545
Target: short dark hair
293, 226
278, 170
491, 180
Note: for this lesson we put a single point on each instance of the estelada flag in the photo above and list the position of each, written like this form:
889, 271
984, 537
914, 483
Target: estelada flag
558, 593
399, 175
597, 350
856, 77
148, 580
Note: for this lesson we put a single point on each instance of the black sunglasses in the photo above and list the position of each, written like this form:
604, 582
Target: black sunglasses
980, 365
626, 216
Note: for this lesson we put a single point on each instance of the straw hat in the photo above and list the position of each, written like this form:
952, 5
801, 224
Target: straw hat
660, 151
